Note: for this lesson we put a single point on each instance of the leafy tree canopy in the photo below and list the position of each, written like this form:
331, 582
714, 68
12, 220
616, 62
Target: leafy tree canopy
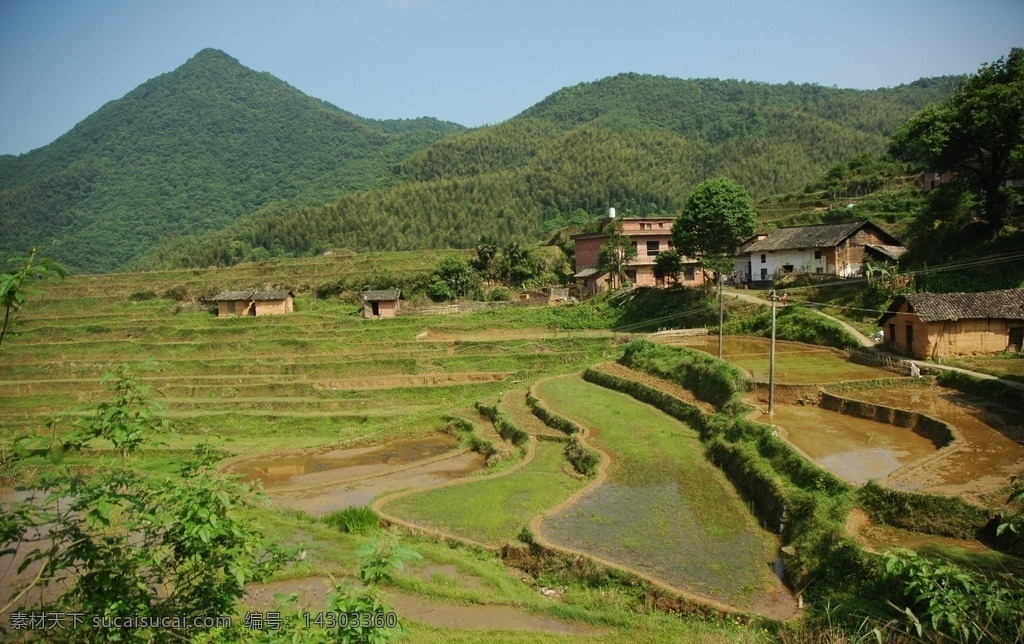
717, 217
978, 133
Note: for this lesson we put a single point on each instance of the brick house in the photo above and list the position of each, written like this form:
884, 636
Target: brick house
933, 325
649, 235
254, 302
382, 303
831, 249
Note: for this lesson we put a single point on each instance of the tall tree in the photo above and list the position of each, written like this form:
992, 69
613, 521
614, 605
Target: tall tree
718, 216
616, 253
977, 133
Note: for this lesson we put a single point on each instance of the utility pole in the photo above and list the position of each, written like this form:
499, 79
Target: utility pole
771, 358
721, 315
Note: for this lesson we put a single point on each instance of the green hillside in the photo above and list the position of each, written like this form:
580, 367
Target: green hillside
187, 153
639, 143
213, 164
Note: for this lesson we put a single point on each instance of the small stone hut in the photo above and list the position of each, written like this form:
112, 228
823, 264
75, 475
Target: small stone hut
382, 303
933, 325
254, 302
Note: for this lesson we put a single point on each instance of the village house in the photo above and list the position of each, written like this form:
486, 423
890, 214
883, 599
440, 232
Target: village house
381, 303
649, 235
830, 249
934, 325
254, 302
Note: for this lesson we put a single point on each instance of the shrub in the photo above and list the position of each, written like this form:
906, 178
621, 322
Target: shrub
354, 520
585, 460
796, 324
712, 380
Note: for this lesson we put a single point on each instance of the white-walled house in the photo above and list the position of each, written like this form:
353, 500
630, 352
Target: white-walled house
832, 249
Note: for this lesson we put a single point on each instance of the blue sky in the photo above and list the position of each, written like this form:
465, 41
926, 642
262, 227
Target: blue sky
474, 61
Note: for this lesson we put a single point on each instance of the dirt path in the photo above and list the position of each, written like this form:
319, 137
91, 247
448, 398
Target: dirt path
312, 592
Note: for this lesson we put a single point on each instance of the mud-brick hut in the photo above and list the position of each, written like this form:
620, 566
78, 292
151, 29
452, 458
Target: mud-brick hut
254, 302
933, 325
382, 303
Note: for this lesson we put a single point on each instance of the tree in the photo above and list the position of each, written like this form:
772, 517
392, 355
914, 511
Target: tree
616, 253
668, 264
111, 540
13, 287
517, 265
978, 134
453, 277
718, 216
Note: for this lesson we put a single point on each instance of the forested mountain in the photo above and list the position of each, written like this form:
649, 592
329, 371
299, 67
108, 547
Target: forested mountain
222, 164
187, 153
639, 143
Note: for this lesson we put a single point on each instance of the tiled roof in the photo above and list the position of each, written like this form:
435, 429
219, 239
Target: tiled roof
251, 294
382, 295
278, 294
936, 307
233, 295
587, 272
892, 252
821, 236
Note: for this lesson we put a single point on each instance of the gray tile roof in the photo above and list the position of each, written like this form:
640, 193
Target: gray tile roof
252, 294
892, 252
938, 307
382, 295
278, 294
821, 236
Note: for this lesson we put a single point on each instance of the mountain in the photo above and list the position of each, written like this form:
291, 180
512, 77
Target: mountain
213, 164
187, 153
639, 143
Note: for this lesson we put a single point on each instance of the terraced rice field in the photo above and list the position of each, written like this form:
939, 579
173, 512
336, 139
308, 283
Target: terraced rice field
493, 511
322, 376
663, 509
795, 363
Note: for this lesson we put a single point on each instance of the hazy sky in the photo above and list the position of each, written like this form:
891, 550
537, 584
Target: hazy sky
474, 61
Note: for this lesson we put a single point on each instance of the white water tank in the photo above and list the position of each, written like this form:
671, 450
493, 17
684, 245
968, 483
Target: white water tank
611, 213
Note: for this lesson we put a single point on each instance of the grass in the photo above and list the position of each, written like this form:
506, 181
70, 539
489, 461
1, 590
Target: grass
795, 363
664, 509
495, 510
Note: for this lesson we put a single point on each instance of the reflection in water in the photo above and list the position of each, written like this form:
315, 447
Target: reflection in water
279, 469
855, 449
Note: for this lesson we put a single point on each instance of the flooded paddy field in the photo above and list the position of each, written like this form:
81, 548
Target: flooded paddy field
984, 448
323, 482
854, 449
795, 363
661, 509
989, 448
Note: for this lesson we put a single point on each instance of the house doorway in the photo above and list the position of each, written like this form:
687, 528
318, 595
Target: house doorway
1016, 339
376, 308
910, 339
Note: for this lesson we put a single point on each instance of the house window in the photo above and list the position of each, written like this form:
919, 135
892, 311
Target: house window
817, 254
661, 224
631, 276
764, 274
652, 248
689, 274
764, 258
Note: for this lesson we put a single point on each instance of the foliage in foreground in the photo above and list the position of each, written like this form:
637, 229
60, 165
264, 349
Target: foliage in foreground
948, 599
110, 542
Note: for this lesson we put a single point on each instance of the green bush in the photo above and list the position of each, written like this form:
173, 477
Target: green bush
585, 460
929, 513
796, 324
354, 520
712, 380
